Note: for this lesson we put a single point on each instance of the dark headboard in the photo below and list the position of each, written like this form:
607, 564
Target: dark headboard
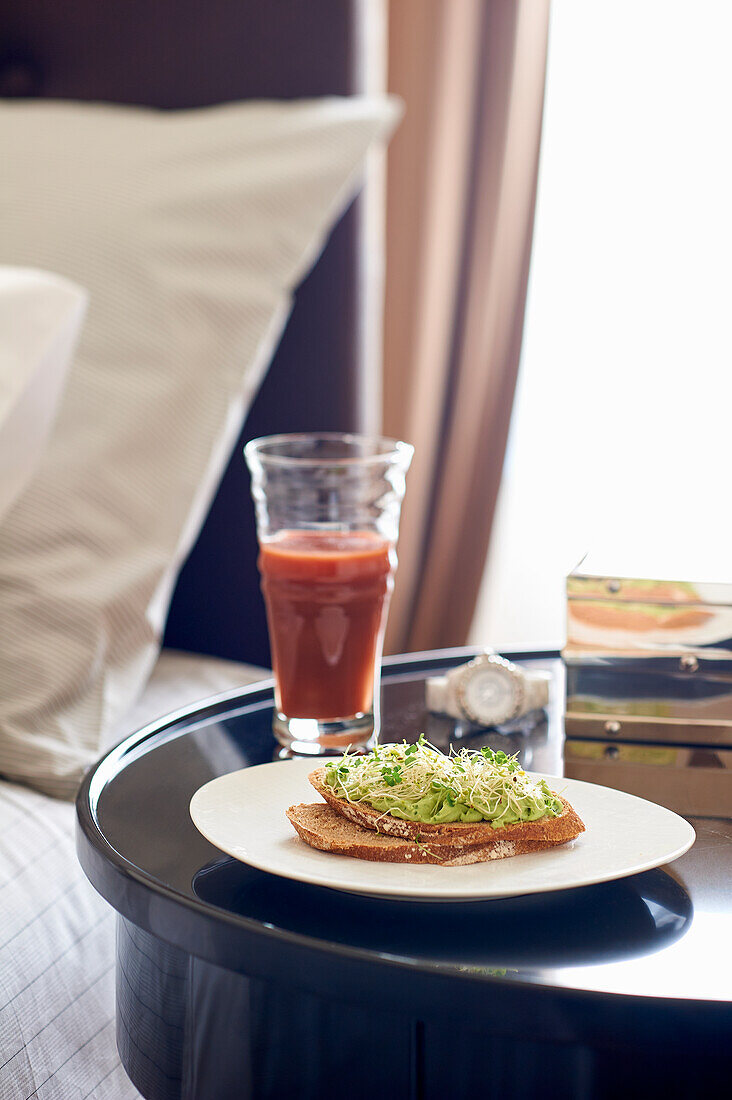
189, 53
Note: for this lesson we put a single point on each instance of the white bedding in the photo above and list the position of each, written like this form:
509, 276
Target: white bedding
56, 961
57, 1032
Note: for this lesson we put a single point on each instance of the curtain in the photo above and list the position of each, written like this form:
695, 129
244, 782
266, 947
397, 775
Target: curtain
461, 189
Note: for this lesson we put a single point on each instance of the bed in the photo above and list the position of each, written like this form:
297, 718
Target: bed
56, 952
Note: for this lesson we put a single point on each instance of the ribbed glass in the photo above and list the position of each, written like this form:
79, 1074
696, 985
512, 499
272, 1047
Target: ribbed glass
327, 509
328, 481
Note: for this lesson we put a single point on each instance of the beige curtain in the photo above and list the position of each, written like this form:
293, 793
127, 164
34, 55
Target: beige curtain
461, 188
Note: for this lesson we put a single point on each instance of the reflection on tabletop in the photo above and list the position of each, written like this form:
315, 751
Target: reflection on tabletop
537, 936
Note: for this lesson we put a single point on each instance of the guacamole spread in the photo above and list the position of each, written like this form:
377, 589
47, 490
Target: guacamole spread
417, 782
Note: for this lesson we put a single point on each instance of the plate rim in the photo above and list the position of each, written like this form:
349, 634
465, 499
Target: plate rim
312, 879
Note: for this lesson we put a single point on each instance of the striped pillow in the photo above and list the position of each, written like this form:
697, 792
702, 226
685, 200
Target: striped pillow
190, 230
40, 320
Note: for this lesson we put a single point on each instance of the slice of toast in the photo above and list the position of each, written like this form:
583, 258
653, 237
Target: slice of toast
320, 826
545, 830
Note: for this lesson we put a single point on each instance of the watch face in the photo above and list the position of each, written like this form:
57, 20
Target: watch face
489, 694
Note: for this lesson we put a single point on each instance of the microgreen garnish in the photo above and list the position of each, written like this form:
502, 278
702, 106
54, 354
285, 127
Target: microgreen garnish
392, 775
417, 782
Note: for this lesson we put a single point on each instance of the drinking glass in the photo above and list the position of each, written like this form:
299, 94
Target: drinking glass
327, 509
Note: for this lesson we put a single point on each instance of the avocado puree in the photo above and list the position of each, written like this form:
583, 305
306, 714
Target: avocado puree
419, 783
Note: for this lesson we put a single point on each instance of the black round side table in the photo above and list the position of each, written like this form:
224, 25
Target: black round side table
232, 983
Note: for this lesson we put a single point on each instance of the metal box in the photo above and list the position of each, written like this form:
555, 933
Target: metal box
649, 686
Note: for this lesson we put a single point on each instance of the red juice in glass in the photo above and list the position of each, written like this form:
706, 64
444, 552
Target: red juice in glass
326, 595
327, 508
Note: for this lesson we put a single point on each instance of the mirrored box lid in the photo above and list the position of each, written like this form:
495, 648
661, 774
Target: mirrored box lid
649, 681
649, 652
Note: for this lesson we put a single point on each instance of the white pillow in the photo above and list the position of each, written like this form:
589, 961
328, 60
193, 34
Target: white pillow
190, 231
40, 320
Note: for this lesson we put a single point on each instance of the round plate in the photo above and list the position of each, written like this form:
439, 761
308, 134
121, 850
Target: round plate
243, 814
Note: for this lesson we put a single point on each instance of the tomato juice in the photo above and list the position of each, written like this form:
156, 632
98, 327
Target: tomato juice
326, 594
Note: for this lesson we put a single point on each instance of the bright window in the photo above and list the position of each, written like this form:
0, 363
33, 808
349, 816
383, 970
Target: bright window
623, 417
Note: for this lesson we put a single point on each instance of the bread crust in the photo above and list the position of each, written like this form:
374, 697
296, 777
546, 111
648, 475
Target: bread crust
322, 827
545, 830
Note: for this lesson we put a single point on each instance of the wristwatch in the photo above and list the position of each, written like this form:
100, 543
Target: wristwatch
488, 691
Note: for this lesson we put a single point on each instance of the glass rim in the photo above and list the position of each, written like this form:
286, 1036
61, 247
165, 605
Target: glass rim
385, 449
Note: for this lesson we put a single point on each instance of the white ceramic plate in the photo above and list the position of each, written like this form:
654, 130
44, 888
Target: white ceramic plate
243, 814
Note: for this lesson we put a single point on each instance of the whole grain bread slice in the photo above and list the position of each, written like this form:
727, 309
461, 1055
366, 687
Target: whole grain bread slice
322, 827
545, 830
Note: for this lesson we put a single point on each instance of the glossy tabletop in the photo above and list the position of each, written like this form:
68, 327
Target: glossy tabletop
642, 954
